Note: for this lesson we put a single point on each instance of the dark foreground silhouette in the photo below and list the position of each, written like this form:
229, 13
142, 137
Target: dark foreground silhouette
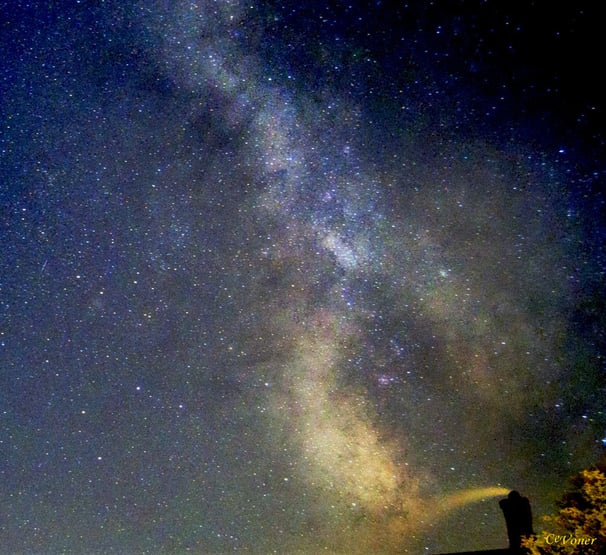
518, 518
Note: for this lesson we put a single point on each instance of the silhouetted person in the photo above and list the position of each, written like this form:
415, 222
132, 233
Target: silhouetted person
518, 518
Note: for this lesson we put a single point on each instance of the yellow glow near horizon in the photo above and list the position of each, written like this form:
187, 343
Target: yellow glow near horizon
344, 451
377, 500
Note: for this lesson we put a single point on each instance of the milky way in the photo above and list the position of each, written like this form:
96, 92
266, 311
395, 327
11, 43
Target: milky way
262, 294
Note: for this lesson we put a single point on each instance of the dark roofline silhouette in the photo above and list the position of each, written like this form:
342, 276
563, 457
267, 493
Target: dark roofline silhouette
505, 551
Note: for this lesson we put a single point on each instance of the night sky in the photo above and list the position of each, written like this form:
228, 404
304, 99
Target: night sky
296, 277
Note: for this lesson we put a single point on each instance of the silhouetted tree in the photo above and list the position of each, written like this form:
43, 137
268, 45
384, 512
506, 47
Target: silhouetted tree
579, 527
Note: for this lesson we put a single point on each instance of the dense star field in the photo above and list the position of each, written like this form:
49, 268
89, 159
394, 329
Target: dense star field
296, 277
